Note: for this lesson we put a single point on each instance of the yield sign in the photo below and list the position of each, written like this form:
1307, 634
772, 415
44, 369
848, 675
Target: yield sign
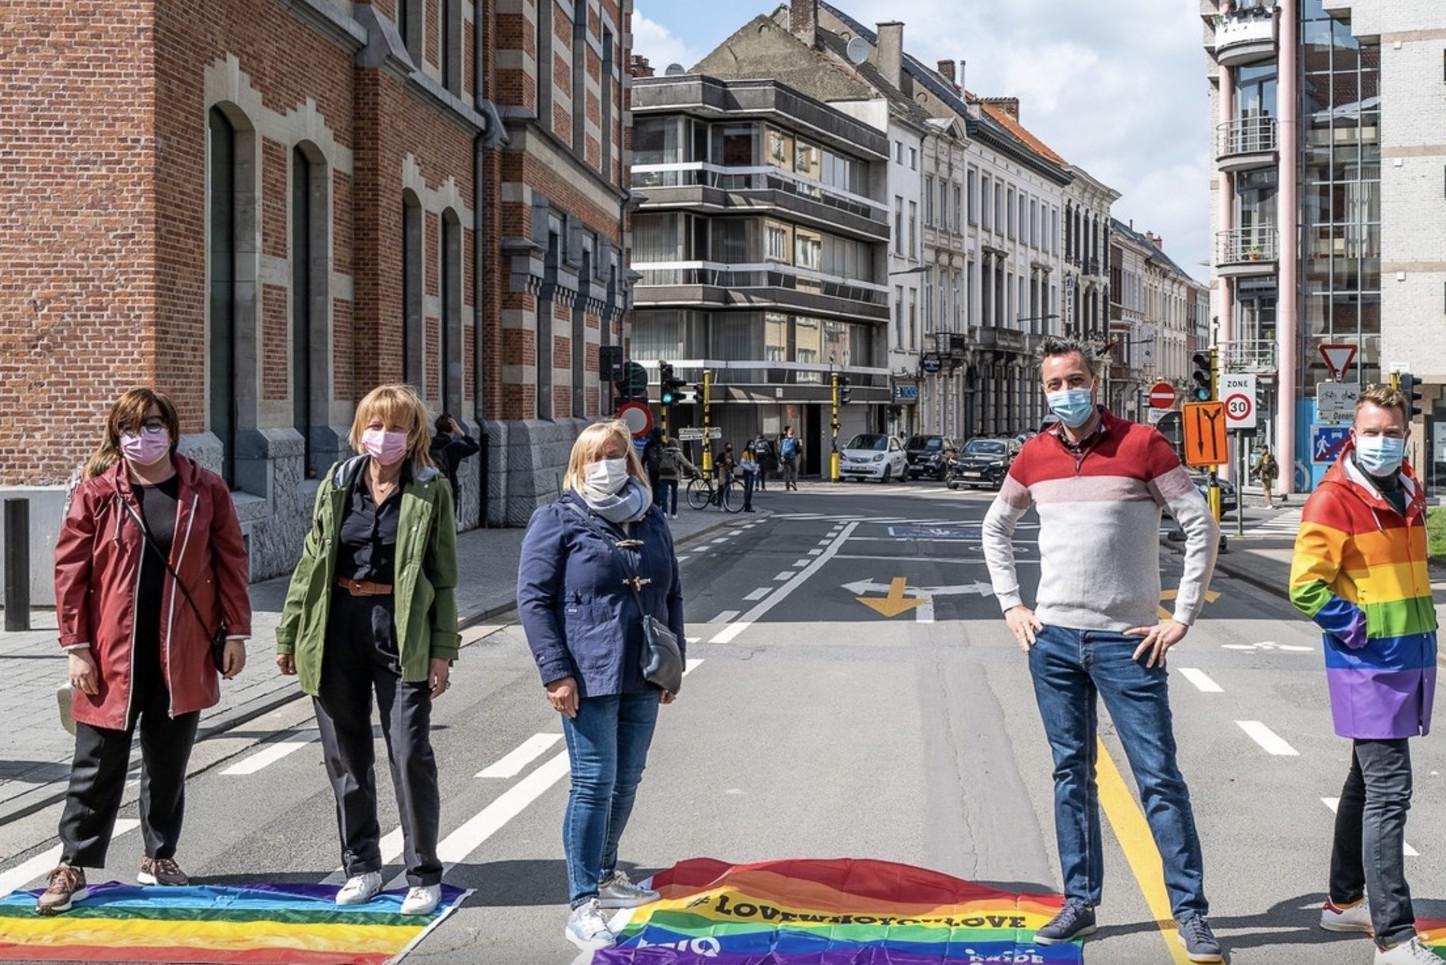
1338, 357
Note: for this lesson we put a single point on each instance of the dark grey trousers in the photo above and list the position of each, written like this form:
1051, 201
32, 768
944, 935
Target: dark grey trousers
1370, 837
361, 658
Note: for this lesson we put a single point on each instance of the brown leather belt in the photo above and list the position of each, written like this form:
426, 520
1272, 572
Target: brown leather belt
364, 587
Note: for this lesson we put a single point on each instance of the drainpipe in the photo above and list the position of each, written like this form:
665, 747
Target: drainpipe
481, 244
1287, 314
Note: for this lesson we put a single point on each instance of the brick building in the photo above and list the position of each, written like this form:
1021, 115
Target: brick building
283, 204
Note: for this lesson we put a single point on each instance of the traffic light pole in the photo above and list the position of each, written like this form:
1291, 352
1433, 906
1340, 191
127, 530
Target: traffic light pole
1216, 504
707, 422
833, 457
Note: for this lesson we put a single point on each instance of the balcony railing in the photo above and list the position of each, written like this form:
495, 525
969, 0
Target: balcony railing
1247, 246
761, 178
1246, 135
767, 275
1245, 35
1248, 355
771, 372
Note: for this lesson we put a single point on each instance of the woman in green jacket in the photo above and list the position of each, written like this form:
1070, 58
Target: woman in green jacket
372, 608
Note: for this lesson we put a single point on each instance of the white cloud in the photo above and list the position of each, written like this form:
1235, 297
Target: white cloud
660, 45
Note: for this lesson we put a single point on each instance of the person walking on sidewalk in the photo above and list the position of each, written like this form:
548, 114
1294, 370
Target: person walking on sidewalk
151, 592
671, 465
595, 564
790, 451
752, 471
1266, 469
1359, 571
372, 608
449, 447
767, 460
724, 469
1099, 484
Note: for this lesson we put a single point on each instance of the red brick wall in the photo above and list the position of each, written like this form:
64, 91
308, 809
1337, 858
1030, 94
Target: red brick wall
341, 224
274, 198
433, 33
274, 363
431, 255
343, 350
433, 362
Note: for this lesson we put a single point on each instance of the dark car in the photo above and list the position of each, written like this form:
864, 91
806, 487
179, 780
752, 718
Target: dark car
1228, 496
929, 456
983, 462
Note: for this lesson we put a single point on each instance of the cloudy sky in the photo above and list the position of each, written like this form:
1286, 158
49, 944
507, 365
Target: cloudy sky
1116, 87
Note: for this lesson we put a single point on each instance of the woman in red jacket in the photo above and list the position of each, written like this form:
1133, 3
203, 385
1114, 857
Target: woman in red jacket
139, 644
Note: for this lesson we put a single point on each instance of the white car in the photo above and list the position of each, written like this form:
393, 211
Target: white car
873, 455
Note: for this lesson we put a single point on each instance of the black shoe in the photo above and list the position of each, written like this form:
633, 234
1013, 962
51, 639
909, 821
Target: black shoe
1200, 942
1075, 920
749, 509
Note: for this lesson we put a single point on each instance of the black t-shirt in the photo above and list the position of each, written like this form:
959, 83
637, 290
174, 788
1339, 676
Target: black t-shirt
367, 548
158, 509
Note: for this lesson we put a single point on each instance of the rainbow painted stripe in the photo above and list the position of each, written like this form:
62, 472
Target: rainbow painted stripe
834, 912
254, 925
1432, 933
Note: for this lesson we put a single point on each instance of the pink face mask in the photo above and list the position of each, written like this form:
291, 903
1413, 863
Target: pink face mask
385, 447
147, 447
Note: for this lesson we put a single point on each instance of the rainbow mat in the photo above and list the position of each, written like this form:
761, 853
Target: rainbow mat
838, 912
254, 925
1433, 934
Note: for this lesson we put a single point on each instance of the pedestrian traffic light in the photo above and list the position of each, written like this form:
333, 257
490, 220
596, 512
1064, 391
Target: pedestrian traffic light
845, 392
1202, 377
671, 385
1408, 386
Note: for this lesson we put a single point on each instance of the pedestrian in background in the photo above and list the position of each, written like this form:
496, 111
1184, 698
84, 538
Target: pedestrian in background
595, 563
767, 458
752, 471
152, 600
652, 458
1360, 573
724, 469
671, 465
1266, 469
790, 451
449, 447
372, 608
1099, 484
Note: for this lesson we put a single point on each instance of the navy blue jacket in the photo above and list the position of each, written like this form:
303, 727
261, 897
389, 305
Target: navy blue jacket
581, 619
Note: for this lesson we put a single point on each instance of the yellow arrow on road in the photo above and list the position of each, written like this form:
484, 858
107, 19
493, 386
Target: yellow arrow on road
893, 604
1210, 597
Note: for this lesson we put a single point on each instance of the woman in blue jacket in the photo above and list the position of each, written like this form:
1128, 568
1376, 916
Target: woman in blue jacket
581, 558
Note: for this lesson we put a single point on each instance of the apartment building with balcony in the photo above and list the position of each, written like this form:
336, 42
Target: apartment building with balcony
760, 243
1131, 353
1328, 119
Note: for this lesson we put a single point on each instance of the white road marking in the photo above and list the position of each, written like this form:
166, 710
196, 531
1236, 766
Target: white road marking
1201, 680
758, 594
924, 612
272, 752
1267, 645
824, 542
528, 751
721, 539
785, 575
815, 551
724, 617
682, 560
978, 587
27, 871
799, 564
794, 581
1268, 739
931, 559
1334, 804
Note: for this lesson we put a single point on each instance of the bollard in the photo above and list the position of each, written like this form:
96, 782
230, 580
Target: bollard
17, 565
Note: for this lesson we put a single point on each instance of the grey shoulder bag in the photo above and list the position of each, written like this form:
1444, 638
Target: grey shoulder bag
662, 662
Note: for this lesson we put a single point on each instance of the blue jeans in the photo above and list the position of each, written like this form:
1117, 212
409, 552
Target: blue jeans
667, 492
1071, 667
607, 745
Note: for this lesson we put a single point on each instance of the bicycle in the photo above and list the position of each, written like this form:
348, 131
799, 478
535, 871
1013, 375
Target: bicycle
702, 493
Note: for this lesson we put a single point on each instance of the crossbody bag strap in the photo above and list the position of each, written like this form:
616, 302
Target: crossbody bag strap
155, 548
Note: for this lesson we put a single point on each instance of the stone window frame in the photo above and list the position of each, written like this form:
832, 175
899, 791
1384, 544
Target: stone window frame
543, 56
609, 66
413, 291
579, 329
412, 26
449, 264
546, 324
319, 363
453, 58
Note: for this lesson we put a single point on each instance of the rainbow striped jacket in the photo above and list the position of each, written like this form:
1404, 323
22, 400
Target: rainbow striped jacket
1359, 571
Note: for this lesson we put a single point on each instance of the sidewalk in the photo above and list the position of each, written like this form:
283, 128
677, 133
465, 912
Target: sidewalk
35, 751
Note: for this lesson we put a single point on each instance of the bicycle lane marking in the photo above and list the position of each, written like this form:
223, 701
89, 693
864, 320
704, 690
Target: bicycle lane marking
731, 632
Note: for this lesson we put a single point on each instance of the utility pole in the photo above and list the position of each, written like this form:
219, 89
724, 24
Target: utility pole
833, 424
707, 422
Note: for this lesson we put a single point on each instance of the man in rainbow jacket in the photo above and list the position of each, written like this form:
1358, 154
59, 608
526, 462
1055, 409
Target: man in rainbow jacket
1359, 572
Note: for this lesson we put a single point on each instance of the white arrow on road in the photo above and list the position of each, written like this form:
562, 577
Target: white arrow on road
861, 587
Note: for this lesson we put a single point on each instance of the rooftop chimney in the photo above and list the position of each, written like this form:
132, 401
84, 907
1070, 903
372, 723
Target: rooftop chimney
803, 20
1009, 105
639, 67
891, 52
946, 70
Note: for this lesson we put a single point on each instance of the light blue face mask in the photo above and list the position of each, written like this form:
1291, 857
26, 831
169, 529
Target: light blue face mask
1380, 455
1073, 406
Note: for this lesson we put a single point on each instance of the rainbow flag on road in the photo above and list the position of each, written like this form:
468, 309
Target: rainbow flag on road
252, 925
1433, 934
837, 912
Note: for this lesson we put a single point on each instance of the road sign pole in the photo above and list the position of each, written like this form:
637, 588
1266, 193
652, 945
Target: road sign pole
833, 425
1240, 488
707, 416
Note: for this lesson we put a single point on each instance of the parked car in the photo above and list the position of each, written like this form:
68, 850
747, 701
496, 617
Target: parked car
873, 455
929, 456
1228, 496
983, 462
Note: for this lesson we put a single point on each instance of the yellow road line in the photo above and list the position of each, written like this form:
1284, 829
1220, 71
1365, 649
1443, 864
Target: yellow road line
1133, 833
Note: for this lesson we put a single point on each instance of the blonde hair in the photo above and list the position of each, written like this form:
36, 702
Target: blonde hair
394, 405
1385, 397
590, 442
127, 415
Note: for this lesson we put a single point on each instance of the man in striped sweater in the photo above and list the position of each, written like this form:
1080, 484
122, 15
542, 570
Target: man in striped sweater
1099, 484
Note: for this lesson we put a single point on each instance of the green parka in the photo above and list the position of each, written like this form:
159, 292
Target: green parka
424, 583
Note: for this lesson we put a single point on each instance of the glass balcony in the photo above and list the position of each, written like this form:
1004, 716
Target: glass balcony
1245, 143
649, 179
1249, 355
1246, 36
1247, 251
716, 275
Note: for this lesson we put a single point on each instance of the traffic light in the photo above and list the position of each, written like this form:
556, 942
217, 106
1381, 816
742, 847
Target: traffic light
1408, 388
844, 390
671, 385
1202, 377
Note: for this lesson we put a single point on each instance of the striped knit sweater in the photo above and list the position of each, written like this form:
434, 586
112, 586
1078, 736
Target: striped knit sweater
1099, 525
1360, 573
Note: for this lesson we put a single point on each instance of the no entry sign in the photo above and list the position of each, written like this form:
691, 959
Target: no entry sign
1162, 395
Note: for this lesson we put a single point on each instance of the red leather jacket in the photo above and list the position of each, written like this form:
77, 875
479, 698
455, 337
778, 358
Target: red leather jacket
97, 574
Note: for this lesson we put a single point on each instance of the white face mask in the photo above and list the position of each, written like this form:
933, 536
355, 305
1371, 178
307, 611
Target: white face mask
606, 475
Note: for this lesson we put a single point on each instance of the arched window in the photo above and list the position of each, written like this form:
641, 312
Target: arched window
450, 362
413, 347
221, 267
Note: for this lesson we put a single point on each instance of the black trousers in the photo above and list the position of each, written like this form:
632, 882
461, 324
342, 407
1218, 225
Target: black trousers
98, 774
361, 657
1370, 835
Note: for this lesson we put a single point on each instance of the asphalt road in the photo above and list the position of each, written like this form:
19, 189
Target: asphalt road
814, 725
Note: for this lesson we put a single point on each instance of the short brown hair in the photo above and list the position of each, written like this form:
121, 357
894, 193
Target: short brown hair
1385, 397
127, 415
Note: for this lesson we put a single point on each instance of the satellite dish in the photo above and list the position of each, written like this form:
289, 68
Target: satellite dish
857, 51
675, 70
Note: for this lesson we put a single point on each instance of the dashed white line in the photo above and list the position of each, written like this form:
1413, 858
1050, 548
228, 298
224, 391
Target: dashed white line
815, 551
794, 581
1201, 680
758, 594
721, 539
724, 617
1334, 804
272, 752
682, 559
1268, 739
528, 751
27, 871
785, 575
800, 564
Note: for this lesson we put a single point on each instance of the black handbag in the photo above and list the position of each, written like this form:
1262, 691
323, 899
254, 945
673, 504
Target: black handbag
662, 662
218, 639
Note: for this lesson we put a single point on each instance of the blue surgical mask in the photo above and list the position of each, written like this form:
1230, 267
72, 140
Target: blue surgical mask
1380, 455
1073, 406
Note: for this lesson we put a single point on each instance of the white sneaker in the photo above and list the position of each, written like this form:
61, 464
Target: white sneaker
422, 900
1346, 918
1407, 953
618, 891
588, 929
675, 515
360, 889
